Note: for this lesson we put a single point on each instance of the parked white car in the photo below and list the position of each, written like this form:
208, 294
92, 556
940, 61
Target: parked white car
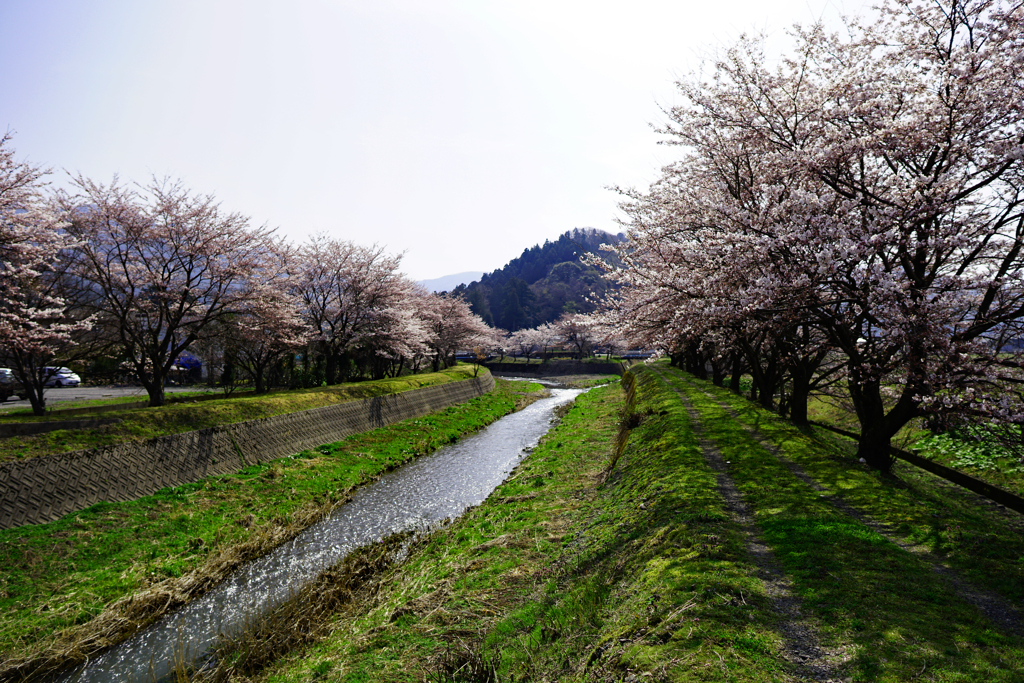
61, 377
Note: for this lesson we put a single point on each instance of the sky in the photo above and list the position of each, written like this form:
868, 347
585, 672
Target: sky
456, 132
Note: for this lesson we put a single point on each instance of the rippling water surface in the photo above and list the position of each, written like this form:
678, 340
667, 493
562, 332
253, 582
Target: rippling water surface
420, 494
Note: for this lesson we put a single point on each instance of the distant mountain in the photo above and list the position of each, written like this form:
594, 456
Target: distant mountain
543, 283
447, 283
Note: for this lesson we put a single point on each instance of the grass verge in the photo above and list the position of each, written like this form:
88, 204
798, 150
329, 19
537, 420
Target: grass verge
60, 410
559, 577
571, 571
79, 584
145, 423
967, 450
884, 609
645, 577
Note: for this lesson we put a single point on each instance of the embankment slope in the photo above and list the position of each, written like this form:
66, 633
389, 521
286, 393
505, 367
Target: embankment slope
722, 545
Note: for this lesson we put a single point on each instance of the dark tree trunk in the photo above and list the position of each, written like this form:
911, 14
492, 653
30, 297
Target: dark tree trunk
766, 378
874, 448
332, 368
316, 376
877, 427
766, 397
798, 397
695, 364
229, 373
344, 366
737, 373
259, 371
155, 389
36, 397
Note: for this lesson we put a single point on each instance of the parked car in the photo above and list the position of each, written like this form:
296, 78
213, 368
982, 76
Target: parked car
8, 385
61, 377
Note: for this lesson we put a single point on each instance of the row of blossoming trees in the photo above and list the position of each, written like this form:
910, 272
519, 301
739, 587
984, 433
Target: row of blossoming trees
850, 214
146, 273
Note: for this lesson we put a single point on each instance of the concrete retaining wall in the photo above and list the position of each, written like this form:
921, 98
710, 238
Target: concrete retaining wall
43, 489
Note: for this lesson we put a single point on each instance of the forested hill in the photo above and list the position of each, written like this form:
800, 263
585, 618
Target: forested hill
543, 283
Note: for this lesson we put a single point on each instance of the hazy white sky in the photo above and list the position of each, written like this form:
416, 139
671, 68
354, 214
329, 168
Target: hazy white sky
458, 132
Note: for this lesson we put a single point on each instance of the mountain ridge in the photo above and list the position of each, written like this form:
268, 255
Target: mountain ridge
543, 283
447, 283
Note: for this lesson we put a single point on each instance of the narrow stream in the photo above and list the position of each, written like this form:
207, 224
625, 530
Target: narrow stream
416, 496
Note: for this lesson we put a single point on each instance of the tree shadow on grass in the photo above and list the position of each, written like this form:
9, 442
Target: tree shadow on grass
887, 603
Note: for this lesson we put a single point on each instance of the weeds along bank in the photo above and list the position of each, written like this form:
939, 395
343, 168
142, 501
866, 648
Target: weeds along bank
74, 586
571, 571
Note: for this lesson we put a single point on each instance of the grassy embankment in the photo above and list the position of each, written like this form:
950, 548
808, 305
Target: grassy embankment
78, 584
145, 423
950, 522
647, 576
887, 608
968, 450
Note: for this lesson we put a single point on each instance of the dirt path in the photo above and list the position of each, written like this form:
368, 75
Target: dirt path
998, 610
801, 641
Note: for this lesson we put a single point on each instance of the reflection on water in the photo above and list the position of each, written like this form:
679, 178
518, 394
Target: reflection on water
417, 495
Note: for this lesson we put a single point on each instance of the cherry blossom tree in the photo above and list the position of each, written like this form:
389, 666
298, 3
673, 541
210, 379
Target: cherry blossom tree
524, 342
579, 331
547, 336
500, 342
862, 195
267, 324
398, 335
921, 145
450, 325
535, 340
349, 295
38, 326
266, 328
161, 264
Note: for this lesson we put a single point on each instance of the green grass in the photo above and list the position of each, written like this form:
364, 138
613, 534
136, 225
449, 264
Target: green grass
986, 547
56, 408
62, 574
980, 458
558, 577
897, 617
80, 409
590, 381
145, 423
570, 572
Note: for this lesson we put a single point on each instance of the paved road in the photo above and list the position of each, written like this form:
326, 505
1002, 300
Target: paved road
56, 395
